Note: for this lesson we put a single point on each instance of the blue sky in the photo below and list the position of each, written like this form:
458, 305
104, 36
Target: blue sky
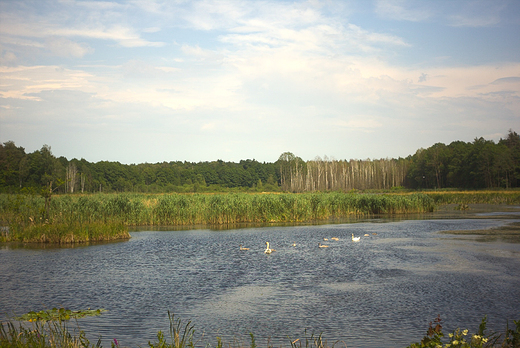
152, 81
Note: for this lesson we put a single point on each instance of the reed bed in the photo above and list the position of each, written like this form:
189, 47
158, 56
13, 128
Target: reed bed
29, 212
475, 197
97, 217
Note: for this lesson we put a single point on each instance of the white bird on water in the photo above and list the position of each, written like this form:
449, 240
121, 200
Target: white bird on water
322, 246
242, 248
268, 250
355, 239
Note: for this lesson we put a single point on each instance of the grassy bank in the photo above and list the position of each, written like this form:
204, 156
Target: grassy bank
76, 218
475, 197
50, 329
97, 217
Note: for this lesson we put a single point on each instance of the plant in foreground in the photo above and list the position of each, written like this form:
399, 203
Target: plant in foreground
48, 328
179, 337
462, 339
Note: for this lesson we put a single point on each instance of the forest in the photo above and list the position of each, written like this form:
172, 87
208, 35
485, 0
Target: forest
481, 164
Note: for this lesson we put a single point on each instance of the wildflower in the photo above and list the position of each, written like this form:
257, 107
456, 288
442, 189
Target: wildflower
116, 343
455, 342
484, 340
477, 337
451, 335
465, 332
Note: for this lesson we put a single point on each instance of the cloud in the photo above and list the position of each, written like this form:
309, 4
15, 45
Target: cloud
360, 122
63, 47
403, 10
477, 14
25, 82
36, 26
7, 58
506, 80
151, 30
125, 36
471, 13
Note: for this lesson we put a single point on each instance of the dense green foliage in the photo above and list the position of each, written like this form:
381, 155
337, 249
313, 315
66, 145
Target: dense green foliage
29, 213
100, 217
476, 165
475, 197
481, 164
21, 172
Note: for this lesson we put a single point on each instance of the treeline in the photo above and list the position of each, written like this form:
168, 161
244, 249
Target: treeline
477, 165
465, 165
21, 172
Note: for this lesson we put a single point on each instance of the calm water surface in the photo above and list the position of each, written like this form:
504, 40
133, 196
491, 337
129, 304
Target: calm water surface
380, 292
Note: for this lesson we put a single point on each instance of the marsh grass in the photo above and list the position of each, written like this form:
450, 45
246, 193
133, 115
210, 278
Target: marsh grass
101, 217
463, 198
49, 329
183, 209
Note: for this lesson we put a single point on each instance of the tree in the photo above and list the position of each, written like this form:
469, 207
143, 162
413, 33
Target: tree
512, 156
10, 158
70, 177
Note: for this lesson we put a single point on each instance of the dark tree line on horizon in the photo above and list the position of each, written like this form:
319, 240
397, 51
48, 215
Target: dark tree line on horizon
466, 165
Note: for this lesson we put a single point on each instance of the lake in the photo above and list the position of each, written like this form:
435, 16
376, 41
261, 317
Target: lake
379, 292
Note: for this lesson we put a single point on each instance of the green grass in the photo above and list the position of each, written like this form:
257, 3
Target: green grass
75, 218
96, 217
475, 197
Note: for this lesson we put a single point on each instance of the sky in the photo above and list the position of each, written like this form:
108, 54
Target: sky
146, 81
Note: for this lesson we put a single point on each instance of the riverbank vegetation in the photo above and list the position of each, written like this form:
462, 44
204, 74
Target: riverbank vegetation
481, 164
50, 329
78, 218
82, 218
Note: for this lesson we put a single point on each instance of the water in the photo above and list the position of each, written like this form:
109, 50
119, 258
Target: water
380, 292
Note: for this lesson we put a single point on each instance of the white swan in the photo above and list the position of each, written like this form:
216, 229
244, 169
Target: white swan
322, 246
335, 238
355, 239
268, 250
242, 248
325, 239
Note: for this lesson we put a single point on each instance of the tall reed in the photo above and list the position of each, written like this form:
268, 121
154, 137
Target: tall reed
475, 197
72, 218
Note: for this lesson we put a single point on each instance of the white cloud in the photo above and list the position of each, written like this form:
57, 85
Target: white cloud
32, 26
63, 47
406, 10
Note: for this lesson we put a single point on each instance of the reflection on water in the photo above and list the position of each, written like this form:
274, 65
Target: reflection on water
379, 292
